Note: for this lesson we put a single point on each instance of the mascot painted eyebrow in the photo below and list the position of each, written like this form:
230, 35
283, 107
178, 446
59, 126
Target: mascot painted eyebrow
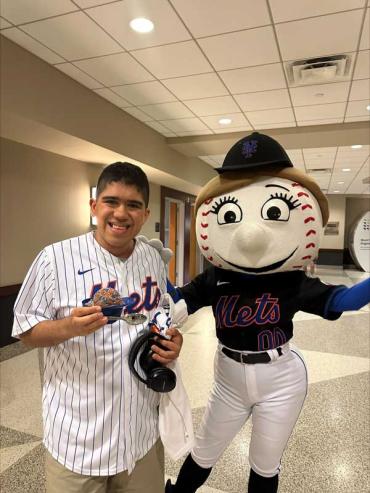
259, 224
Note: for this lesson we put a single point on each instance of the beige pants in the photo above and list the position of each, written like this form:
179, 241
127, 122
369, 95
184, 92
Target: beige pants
147, 477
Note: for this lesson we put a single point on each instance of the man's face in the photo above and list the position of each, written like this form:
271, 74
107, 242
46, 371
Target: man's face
272, 225
120, 212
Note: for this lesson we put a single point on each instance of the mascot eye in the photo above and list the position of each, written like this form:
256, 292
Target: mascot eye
275, 209
229, 213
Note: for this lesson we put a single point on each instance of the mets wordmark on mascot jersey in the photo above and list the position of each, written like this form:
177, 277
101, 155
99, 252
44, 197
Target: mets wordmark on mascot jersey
98, 418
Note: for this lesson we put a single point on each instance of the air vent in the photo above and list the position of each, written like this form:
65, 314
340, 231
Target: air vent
366, 181
318, 70
320, 171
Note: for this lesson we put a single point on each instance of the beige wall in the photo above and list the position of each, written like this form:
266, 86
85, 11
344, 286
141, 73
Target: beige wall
45, 198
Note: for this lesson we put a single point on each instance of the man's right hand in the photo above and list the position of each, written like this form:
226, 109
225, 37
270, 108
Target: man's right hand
84, 321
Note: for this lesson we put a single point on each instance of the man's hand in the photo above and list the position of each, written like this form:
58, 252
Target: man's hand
173, 347
84, 321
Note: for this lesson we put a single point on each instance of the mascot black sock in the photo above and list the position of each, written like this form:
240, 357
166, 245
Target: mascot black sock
259, 484
191, 477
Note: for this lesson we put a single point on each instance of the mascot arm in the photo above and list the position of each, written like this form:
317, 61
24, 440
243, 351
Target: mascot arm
353, 298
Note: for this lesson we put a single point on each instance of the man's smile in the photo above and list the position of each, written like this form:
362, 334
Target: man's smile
259, 270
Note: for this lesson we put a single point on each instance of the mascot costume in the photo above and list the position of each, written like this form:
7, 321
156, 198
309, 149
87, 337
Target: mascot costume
259, 224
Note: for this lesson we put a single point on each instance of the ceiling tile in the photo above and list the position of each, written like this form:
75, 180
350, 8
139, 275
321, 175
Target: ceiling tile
175, 60
360, 89
218, 159
365, 37
358, 108
319, 152
138, 114
63, 35
254, 79
167, 111
195, 132
115, 70
270, 116
31, 45
241, 49
287, 10
185, 125
213, 106
210, 17
4, 24
320, 111
356, 119
309, 37
208, 160
78, 75
237, 120
320, 93
84, 4
240, 128
324, 121
19, 11
112, 97
160, 128
267, 126
362, 70
264, 100
145, 93
115, 19
196, 86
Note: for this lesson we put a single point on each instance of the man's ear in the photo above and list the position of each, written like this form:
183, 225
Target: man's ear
146, 215
92, 203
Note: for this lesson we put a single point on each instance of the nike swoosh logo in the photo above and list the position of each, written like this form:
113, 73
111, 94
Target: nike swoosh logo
81, 272
219, 283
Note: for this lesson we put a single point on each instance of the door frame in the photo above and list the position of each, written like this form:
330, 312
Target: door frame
187, 199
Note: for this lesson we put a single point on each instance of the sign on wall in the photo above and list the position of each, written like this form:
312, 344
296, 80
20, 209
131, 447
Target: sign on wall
360, 242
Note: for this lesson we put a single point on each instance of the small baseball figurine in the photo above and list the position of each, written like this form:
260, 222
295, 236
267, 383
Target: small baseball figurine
259, 223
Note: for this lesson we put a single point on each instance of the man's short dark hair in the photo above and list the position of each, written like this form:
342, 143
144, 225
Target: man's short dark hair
127, 173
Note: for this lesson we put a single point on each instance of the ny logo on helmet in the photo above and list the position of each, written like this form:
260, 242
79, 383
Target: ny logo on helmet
249, 148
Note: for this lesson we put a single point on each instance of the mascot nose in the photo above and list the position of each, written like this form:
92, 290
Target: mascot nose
252, 239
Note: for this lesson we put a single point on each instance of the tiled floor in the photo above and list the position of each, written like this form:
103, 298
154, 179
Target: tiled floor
327, 453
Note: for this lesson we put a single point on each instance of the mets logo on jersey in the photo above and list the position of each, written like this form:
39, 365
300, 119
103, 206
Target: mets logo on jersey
147, 300
230, 314
249, 148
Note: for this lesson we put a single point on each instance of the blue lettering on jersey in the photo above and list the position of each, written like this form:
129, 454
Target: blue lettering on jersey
266, 311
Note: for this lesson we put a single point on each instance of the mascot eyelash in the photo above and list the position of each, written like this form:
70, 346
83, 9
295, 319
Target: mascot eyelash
223, 200
292, 204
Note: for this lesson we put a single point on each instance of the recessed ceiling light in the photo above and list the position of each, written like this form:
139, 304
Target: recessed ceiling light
356, 146
346, 169
340, 182
336, 191
142, 25
368, 107
224, 121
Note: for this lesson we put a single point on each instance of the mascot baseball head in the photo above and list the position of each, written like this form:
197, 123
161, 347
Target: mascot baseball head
260, 215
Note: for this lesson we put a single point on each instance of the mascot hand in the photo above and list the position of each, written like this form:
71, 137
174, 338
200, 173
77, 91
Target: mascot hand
165, 253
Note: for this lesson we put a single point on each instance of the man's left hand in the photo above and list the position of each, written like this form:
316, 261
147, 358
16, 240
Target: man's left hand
173, 347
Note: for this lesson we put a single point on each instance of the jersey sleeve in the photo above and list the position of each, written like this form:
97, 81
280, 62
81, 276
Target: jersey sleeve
198, 292
315, 297
34, 303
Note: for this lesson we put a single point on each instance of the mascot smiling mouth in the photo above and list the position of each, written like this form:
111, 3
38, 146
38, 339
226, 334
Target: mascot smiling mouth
266, 268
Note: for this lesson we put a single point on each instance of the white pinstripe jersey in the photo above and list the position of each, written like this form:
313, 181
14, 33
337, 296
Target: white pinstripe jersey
98, 419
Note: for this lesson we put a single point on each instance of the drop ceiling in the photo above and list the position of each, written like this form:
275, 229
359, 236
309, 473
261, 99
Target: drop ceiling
211, 59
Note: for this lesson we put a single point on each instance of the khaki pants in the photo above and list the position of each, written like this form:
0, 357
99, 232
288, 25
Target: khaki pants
147, 477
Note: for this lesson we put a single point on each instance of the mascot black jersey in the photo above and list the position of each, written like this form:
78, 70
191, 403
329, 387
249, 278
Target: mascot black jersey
254, 313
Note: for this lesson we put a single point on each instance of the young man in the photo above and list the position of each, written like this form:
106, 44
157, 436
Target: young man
100, 423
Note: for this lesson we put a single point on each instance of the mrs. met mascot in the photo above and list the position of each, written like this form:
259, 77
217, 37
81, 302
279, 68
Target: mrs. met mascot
259, 224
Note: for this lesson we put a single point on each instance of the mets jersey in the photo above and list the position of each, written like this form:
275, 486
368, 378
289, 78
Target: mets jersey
254, 313
98, 418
